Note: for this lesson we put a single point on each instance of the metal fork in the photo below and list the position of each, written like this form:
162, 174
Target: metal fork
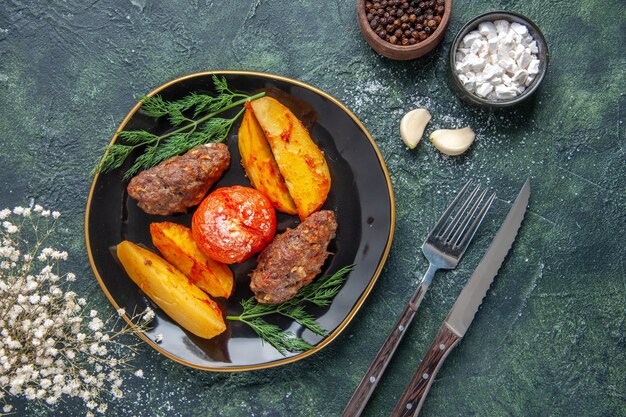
444, 247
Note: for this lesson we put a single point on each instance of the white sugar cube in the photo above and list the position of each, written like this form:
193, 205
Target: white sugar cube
507, 64
533, 67
504, 92
534, 49
476, 63
520, 77
483, 89
475, 46
524, 60
489, 71
502, 26
519, 29
492, 45
495, 81
488, 30
471, 37
506, 79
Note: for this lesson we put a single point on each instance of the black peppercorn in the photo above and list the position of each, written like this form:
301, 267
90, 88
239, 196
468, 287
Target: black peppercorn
404, 22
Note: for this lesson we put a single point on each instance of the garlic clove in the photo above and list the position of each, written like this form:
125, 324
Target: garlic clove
412, 126
452, 141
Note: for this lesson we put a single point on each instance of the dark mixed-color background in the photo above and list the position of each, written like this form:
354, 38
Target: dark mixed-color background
549, 339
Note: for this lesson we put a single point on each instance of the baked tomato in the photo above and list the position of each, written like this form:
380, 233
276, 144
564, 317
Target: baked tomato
233, 223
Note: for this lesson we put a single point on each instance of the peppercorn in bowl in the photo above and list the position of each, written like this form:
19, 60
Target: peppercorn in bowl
498, 59
403, 29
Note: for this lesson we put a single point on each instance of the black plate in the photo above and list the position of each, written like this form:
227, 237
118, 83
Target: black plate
361, 195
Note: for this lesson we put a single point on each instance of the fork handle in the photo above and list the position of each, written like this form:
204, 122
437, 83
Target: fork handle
383, 357
413, 397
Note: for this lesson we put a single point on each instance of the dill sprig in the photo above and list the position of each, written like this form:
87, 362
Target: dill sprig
193, 116
320, 293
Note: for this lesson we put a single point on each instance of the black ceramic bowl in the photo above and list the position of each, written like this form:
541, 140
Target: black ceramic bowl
542, 46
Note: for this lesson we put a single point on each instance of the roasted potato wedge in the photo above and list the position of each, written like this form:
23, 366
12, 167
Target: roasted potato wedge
185, 303
299, 160
176, 244
260, 166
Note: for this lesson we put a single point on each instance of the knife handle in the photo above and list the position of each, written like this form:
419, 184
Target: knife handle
413, 397
383, 357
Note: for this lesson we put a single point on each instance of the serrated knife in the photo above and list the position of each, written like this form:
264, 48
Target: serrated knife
465, 307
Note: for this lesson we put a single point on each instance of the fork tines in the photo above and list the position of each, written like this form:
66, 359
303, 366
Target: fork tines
456, 230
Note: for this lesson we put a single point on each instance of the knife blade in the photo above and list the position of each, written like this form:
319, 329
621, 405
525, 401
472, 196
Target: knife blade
464, 309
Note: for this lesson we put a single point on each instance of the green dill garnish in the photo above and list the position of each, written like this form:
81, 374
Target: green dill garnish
320, 293
194, 116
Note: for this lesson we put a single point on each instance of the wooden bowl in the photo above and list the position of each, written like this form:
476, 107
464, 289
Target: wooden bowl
399, 52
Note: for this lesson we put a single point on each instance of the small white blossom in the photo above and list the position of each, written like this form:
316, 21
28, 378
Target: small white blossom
148, 314
56, 215
4, 213
121, 311
10, 227
139, 373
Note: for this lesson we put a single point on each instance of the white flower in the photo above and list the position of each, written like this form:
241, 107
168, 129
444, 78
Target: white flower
139, 373
5, 213
148, 314
102, 408
18, 210
93, 313
10, 227
56, 215
70, 277
7, 408
37, 208
95, 324
45, 213
121, 311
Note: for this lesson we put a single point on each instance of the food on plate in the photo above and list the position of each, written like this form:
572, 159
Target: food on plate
498, 61
185, 122
293, 259
233, 223
452, 141
412, 126
170, 289
299, 160
176, 244
180, 182
260, 166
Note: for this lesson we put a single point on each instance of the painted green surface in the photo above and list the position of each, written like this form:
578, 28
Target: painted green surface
549, 339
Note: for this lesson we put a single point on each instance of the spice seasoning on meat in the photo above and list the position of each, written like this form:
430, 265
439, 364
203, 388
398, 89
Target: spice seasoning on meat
403, 22
293, 259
